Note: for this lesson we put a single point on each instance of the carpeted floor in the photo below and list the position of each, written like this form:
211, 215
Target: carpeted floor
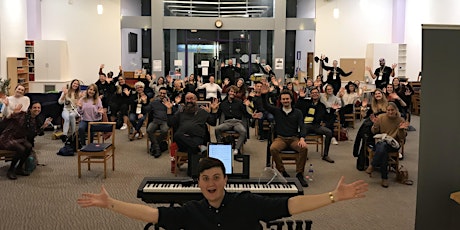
47, 198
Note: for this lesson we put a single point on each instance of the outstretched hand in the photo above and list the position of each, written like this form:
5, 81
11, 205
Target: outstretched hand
354, 190
101, 200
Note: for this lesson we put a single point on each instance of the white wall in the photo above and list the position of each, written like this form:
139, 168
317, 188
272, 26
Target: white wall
13, 31
420, 12
92, 39
360, 22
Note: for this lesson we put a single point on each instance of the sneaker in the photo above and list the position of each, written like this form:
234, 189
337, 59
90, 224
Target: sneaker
285, 174
125, 126
261, 139
301, 179
235, 151
328, 159
334, 141
401, 156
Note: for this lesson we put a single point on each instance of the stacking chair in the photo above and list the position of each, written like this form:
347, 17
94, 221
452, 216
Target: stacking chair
101, 151
288, 155
393, 158
317, 140
157, 134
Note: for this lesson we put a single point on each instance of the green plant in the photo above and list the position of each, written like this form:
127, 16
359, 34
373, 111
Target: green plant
4, 85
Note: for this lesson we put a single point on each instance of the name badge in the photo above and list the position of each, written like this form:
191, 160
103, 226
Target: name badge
138, 109
380, 76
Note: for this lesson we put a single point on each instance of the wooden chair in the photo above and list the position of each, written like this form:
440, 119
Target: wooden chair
101, 151
337, 126
393, 158
317, 140
358, 113
130, 126
157, 134
181, 158
350, 118
266, 127
288, 156
6, 155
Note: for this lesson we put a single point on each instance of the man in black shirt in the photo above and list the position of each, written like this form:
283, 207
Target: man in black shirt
220, 209
333, 77
314, 113
288, 123
230, 71
232, 111
158, 121
382, 74
190, 127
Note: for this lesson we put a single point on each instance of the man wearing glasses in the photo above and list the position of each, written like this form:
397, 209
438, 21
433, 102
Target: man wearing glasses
159, 121
314, 113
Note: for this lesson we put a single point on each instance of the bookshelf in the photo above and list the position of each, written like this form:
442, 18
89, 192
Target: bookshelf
18, 72
30, 54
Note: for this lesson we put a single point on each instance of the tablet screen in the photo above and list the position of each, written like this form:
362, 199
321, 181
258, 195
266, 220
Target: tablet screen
222, 152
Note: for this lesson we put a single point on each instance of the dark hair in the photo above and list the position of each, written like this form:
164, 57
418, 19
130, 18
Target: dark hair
33, 103
286, 91
163, 88
208, 163
234, 88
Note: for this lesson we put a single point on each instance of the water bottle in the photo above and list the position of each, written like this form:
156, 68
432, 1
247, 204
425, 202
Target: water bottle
310, 173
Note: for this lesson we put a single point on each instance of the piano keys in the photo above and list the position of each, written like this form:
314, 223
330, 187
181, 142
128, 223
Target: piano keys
181, 190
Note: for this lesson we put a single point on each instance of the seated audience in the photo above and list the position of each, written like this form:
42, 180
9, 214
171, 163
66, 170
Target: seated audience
69, 98
90, 109
18, 133
314, 114
138, 102
349, 98
288, 121
392, 124
119, 104
10, 103
332, 103
212, 89
392, 96
159, 121
190, 127
232, 112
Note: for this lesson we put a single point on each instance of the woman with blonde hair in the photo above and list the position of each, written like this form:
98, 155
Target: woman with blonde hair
378, 106
69, 98
90, 108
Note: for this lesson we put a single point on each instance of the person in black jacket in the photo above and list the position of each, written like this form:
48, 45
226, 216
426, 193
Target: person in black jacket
190, 127
289, 121
232, 111
314, 113
230, 71
106, 88
333, 77
382, 74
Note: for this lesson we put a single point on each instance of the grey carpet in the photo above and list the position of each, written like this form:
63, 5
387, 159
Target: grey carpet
47, 198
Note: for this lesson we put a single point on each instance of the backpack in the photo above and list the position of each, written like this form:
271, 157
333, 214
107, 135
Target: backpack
66, 151
31, 163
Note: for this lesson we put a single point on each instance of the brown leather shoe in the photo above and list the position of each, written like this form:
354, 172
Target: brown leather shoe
328, 159
369, 170
385, 183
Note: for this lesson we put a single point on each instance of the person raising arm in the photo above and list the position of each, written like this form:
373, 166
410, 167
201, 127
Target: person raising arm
246, 207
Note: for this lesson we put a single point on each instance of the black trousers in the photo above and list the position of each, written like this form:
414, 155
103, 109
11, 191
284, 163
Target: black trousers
189, 144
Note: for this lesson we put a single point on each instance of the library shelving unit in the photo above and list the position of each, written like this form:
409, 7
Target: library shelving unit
18, 72
30, 54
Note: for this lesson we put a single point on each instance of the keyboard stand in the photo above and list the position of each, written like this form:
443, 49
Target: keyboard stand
245, 173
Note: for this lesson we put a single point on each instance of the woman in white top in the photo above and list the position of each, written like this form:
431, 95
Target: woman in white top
10, 103
332, 103
69, 98
211, 89
349, 98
